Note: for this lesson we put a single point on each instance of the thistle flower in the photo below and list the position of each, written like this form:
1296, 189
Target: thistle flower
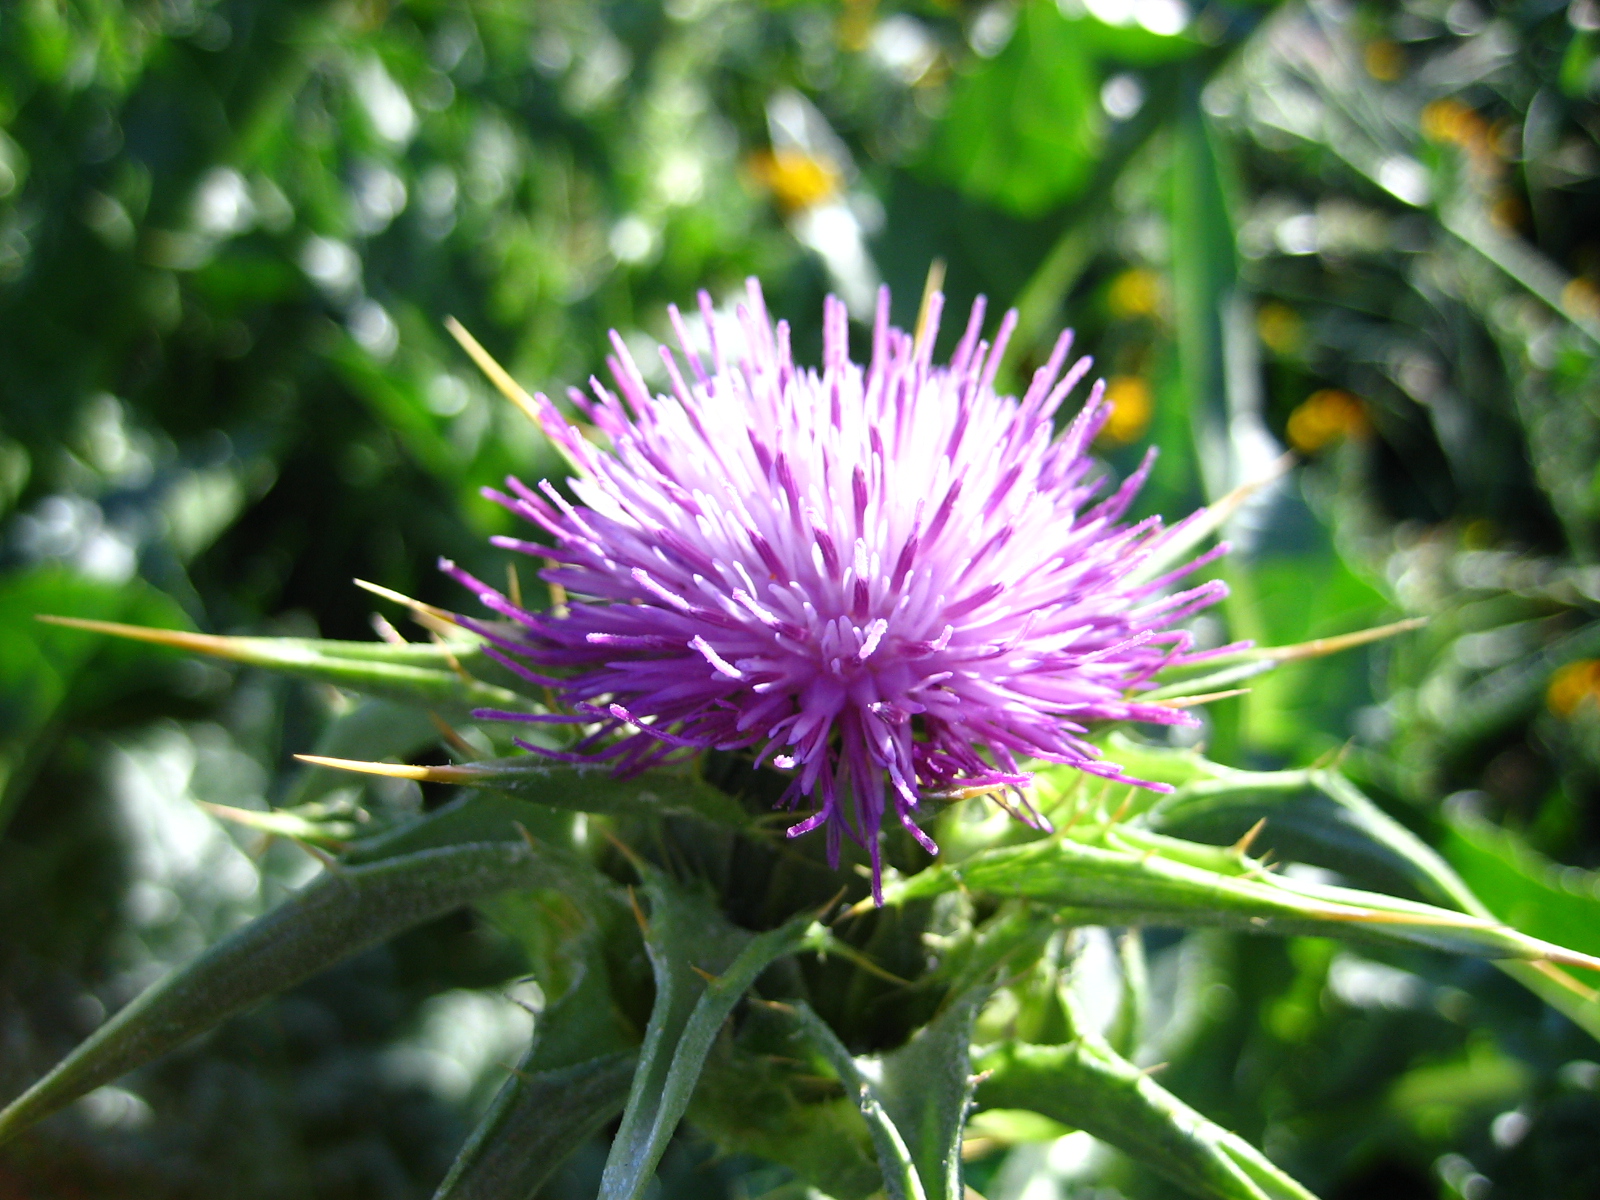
890, 581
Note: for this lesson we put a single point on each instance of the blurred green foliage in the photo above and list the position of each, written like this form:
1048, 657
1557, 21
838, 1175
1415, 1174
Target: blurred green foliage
230, 234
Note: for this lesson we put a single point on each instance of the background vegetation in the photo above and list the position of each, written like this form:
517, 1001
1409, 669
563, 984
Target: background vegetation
230, 234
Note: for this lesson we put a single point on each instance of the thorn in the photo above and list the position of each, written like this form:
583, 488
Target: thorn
449, 655
513, 585
386, 631
558, 594
626, 850
1153, 1068
837, 896
1318, 647
462, 774
526, 836
933, 283
1204, 698
1242, 846
776, 1006
1122, 808
638, 913
497, 375
177, 639
416, 606
451, 735
1546, 967
706, 975
248, 819
1230, 503
322, 856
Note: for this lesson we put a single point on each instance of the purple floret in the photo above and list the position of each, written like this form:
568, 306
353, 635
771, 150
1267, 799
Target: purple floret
889, 581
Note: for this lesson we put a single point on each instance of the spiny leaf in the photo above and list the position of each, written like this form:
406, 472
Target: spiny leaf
703, 965
534, 1125
342, 912
758, 1104
926, 1087
901, 1180
1087, 1085
1151, 887
1321, 817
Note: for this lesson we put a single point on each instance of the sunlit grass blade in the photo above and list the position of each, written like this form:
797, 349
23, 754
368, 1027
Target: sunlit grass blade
1188, 537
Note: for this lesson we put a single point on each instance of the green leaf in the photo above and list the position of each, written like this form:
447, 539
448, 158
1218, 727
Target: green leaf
567, 1087
1087, 1085
702, 965
534, 1125
1023, 130
342, 912
470, 817
1314, 816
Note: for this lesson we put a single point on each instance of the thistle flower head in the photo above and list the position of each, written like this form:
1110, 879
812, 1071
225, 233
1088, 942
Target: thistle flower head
890, 581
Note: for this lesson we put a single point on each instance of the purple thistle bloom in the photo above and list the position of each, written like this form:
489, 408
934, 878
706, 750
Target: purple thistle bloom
891, 581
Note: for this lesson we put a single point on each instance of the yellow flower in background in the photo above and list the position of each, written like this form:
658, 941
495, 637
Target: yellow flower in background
1131, 406
1326, 416
1384, 60
1450, 120
796, 180
1279, 327
1582, 299
1135, 293
1572, 685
